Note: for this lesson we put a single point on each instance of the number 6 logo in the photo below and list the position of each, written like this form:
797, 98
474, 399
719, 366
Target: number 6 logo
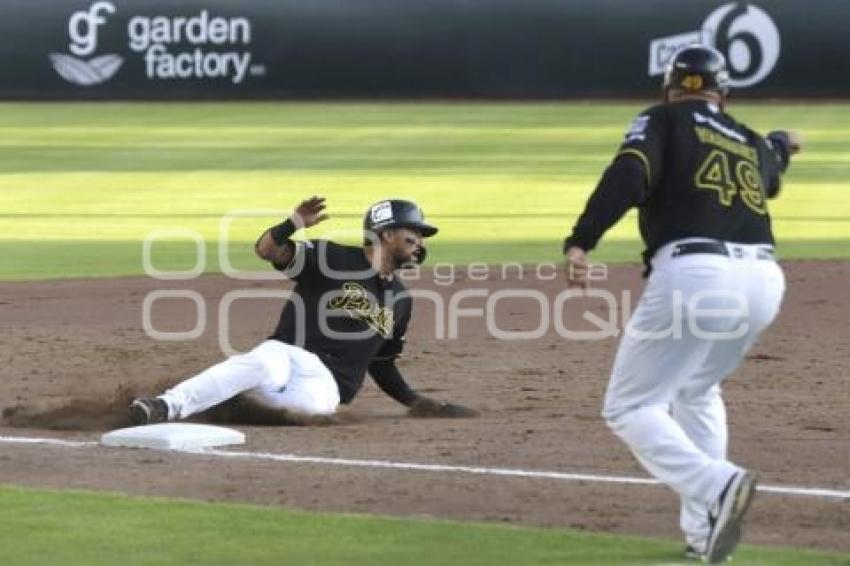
748, 38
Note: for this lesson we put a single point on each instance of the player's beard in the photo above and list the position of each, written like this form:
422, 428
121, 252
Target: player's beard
403, 260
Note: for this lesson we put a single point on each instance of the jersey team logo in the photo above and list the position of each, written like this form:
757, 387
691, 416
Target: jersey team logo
744, 33
355, 301
83, 29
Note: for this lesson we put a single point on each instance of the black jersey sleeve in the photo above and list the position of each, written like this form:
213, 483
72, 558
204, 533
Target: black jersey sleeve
383, 368
645, 141
394, 345
627, 182
622, 186
305, 260
388, 377
773, 160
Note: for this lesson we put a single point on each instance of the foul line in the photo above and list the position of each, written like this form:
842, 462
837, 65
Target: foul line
49, 441
842, 495
505, 472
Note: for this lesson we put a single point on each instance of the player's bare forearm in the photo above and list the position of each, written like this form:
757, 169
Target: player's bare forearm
279, 254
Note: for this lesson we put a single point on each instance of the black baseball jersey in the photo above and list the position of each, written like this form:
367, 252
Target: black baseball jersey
342, 311
700, 174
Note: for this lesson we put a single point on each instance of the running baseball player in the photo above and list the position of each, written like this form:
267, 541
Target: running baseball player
347, 315
700, 180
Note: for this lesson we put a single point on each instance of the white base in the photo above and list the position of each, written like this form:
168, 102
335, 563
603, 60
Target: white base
173, 436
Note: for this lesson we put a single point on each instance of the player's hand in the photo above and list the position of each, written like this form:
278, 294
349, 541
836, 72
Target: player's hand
795, 142
427, 408
790, 139
576, 268
309, 212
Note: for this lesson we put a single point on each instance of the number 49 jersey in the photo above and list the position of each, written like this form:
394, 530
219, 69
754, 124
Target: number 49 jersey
707, 175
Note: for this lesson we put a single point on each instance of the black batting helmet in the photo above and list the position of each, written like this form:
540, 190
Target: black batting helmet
396, 213
697, 67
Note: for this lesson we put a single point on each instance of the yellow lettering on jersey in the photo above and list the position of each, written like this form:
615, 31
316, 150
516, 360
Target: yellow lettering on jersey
706, 135
715, 174
355, 301
751, 187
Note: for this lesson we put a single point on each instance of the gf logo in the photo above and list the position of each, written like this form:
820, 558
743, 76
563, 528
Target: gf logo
82, 27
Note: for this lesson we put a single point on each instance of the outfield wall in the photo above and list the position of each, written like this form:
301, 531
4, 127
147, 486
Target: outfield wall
70, 49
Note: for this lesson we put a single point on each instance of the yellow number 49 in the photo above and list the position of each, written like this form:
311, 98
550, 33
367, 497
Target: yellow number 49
715, 174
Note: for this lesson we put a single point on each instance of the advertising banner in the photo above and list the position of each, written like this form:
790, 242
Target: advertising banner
143, 49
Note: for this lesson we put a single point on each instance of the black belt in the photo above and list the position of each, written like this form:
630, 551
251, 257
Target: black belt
717, 248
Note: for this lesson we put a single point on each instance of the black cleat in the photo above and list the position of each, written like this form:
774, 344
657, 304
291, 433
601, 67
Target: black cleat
148, 410
726, 522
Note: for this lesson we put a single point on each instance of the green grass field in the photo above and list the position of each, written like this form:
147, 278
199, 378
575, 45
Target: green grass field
88, 529
82, 185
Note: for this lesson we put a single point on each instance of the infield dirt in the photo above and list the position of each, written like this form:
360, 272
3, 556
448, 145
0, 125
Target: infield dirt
73, 351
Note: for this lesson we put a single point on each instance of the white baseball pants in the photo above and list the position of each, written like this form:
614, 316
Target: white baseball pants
274, 374
696, 320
